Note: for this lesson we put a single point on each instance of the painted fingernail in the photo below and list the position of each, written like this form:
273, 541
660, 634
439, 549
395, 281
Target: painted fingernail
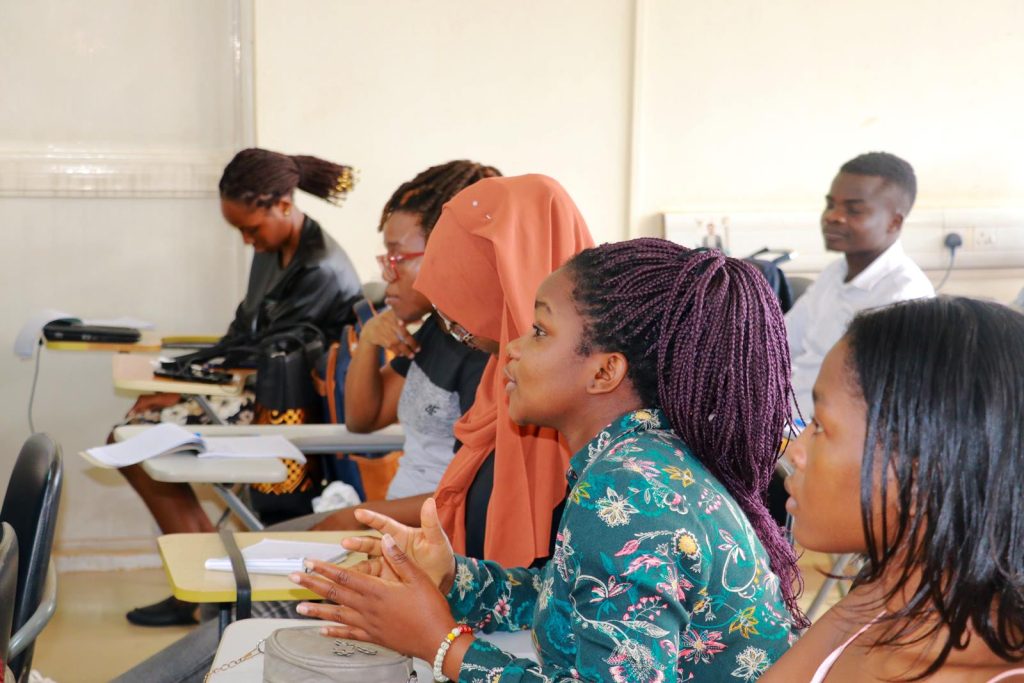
390, 544
302, 609
308, 564
326, 632
295, 578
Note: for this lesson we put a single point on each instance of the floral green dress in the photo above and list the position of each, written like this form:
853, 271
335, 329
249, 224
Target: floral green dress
657, 576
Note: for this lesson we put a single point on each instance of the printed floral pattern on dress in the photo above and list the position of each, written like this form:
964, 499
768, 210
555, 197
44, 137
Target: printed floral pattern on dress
656, 576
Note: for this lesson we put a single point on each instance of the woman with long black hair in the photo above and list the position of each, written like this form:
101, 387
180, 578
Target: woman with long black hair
915, 459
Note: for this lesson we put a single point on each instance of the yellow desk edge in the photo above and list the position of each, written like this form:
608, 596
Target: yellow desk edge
228, 595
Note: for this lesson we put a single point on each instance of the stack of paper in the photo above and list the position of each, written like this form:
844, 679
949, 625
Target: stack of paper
167, 438
280, 557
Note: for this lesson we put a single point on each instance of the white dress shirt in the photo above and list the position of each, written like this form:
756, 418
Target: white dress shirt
820, 317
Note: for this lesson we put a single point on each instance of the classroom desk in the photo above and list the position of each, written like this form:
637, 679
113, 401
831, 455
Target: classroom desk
150, 342
135, 374
311, 439
184, 555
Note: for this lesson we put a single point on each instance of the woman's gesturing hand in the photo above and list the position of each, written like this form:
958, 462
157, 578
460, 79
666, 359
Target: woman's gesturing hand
427, 546
405, 612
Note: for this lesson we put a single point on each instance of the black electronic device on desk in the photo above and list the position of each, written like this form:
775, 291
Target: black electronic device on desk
74, 331
193, 373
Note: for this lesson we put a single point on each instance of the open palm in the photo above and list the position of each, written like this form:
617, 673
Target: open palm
427, 545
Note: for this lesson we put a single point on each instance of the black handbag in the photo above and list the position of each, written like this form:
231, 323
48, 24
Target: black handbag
285, 395
284, 369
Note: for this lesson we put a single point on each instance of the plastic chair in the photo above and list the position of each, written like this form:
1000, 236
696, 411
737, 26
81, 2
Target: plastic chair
8, 587
30, 507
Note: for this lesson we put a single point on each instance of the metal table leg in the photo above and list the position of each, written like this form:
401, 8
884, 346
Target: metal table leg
207, 409
247, 516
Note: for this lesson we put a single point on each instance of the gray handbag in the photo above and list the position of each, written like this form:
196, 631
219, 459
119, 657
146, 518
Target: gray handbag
302, 655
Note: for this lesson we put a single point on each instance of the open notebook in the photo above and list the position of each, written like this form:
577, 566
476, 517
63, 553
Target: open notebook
167, 438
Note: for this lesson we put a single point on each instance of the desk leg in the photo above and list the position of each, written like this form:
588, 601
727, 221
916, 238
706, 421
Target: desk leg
224, 618
208, 409
238, 507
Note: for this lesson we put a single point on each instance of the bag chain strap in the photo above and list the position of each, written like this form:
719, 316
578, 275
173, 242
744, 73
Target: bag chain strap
256, 651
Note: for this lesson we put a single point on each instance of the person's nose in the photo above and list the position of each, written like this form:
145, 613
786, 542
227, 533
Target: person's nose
796, 454
513, 349
833, 215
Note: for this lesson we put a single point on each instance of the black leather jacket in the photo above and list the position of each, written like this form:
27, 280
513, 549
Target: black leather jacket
319, 286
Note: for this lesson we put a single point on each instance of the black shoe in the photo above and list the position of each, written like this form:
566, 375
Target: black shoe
169, 612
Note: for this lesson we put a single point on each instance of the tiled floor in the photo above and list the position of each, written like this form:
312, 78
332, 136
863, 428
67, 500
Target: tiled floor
89, 640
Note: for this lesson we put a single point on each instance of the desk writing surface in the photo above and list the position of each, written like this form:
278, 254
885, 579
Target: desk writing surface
311, 439
150, 342
188, 469
184, 555
135, 374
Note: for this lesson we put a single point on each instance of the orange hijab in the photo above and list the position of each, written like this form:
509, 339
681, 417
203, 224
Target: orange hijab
492, 246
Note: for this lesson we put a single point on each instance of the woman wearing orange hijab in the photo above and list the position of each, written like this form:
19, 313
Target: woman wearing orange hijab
494, 244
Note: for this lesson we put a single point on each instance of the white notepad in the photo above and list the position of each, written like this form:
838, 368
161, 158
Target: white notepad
167, 438
271, 556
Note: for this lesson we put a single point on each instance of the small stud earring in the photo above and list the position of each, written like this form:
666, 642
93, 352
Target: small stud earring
287, 212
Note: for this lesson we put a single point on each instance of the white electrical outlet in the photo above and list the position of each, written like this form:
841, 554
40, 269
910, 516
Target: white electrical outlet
986, 238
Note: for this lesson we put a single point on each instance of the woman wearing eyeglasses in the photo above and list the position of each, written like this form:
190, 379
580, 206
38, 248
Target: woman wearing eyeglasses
433, 379
497, 240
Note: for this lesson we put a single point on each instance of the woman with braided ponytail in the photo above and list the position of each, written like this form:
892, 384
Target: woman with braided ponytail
666, 371
298, 275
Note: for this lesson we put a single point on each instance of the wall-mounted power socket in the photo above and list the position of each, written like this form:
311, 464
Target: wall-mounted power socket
967, 238
985, 238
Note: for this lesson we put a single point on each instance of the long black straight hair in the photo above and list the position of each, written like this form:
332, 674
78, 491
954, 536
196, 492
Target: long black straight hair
943, 381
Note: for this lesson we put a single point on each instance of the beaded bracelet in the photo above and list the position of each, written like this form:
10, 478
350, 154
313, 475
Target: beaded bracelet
449, 638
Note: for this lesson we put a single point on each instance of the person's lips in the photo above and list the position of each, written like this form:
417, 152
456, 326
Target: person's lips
510, 383
791, 504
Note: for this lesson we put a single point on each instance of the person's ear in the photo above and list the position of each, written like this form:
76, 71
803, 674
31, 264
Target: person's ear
284, 205
896, 224
609, 371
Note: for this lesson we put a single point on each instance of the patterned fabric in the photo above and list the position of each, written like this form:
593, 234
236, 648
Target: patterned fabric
300, 475
657, 576
229, 409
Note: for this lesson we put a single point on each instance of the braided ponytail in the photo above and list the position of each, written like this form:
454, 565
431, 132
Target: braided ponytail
260, 177
705, 341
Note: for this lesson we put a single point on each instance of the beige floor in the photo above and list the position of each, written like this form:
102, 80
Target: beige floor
89, 640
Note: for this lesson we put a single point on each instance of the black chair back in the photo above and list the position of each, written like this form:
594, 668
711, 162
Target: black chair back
8, 586
30, 507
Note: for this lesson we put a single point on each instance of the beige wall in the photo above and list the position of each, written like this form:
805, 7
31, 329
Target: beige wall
394, 87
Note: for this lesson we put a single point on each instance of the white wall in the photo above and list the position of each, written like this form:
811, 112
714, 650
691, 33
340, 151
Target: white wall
394, 87
116, 120
752, 106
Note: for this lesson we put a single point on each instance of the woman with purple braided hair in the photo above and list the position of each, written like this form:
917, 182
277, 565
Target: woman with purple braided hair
666, 371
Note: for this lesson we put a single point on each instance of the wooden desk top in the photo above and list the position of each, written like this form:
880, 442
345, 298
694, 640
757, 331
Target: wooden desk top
149, 343
185, 554
134, 373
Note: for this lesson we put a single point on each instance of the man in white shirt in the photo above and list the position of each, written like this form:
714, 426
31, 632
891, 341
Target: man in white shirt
864, 212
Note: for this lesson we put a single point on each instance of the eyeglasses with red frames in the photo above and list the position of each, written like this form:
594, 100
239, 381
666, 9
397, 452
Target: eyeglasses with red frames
457, 331
389, 263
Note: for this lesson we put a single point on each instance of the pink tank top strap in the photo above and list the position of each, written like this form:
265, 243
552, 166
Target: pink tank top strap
826, 665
